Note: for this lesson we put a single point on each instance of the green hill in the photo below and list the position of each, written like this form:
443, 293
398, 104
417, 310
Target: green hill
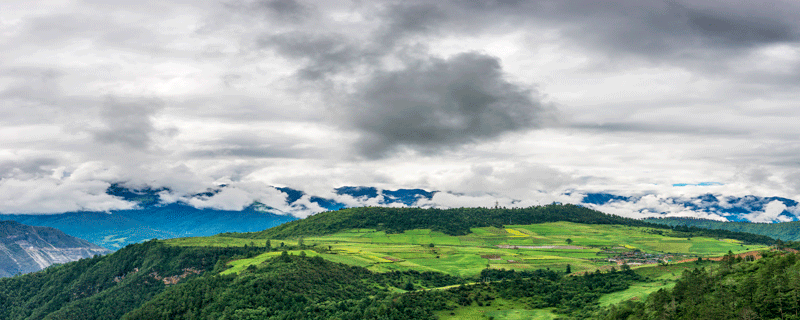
460, 221
768, 288
379, 263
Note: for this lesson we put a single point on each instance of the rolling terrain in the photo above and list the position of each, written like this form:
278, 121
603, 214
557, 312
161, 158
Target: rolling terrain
377, 263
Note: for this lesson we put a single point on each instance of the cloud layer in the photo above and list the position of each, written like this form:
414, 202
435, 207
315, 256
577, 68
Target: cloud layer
524, 101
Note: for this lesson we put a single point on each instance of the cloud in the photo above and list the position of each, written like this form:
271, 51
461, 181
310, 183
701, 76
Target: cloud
324, 54
772, 213
440, 103
456, 96
82, 189
128, 123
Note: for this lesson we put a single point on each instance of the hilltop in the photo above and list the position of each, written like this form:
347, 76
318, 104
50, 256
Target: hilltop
460, 221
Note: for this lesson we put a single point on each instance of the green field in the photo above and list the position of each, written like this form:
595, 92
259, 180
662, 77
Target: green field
585, 248
499, 309
536, 246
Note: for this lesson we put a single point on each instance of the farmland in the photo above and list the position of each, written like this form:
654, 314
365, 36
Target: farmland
523, 247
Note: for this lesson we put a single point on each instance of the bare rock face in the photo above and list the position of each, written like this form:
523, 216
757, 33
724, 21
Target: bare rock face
25, 249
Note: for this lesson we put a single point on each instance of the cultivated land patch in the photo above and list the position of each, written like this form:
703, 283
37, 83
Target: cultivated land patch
523, 247
585, 248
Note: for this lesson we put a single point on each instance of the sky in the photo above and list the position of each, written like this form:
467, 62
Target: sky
522, 102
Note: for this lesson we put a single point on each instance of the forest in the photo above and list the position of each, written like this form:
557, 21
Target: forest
768, 288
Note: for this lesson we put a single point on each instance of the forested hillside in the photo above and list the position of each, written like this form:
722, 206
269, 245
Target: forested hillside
459, 221
105, 287
296, 287
768, 288
786, 231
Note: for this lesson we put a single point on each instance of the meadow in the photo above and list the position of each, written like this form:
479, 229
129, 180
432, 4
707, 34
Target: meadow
585, 248
554, 246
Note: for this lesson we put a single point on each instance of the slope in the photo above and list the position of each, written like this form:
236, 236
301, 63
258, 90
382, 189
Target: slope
460, 221
25, 249
116, 229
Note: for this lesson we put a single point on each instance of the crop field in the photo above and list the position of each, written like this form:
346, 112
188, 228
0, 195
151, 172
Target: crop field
539, 246
585, 248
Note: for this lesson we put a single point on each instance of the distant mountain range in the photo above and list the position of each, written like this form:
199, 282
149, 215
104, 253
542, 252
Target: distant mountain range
731, 208
25, 249
155, 218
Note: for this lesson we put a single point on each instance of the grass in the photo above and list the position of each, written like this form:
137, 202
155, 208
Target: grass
468, 255
500, 309
237, 266
661, 276
520, 247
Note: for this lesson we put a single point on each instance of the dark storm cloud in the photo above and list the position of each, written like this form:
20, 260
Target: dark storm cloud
738, 30
128, 123
440, 103
662, 30
651, 28
405, 20
324, 54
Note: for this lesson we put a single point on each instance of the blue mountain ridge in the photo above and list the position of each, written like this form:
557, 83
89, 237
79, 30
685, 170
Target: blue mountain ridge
735, 210
153, 219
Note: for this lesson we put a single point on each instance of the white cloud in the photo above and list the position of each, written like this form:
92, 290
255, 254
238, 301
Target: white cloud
192, 94
51, 195
771, 213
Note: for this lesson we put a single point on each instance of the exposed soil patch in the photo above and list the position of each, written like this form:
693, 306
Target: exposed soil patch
491, 256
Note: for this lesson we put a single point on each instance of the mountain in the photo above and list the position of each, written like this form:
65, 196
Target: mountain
118, 228
153, 219
156, 218
25, 249
747, 208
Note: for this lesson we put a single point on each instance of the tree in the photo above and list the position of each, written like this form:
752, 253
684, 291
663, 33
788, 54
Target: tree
569, 241
569, 269
269, 245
